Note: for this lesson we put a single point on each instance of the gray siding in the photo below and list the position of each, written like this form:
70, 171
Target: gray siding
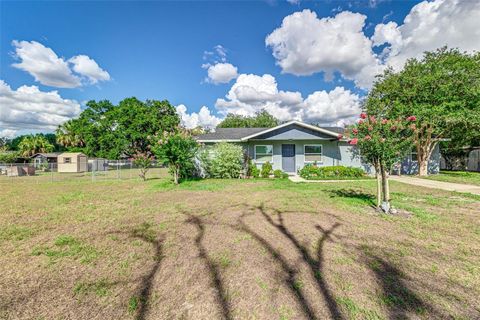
333, 153
411, 167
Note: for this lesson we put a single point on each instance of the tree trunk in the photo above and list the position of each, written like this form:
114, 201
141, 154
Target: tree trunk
425, 146
175, 176
176, 171
385, 189
422, 167
379, 185
143, 174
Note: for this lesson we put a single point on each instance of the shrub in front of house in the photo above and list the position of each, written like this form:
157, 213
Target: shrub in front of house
266, 170
252, 170
313, 172
255, 172
225, 160
279, 174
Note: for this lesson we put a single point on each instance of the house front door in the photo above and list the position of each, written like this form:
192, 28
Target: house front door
288, 157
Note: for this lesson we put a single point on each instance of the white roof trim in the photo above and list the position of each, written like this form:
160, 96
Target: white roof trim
308, 126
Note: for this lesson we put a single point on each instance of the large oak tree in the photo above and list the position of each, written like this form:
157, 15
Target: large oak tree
110, 131
261, 119
442, 90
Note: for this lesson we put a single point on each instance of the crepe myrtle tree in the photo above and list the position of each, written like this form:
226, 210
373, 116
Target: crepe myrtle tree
442, 89
177, 150
382, 143
143, 161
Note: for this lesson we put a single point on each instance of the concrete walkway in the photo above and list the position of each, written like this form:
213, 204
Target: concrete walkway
448, 186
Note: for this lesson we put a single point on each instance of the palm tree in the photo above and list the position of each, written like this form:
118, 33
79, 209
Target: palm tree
67, 137
34, 144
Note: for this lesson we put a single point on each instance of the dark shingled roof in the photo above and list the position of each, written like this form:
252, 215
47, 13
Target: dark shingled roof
48, 155
238, 133
229, 133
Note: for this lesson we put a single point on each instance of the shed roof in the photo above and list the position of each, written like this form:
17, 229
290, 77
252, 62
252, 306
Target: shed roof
71, 154
47, 154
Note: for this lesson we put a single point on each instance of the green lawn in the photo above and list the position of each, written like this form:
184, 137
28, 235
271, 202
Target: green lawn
235, 249
463, 177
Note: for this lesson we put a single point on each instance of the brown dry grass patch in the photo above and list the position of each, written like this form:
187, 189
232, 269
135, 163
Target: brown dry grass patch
235, 250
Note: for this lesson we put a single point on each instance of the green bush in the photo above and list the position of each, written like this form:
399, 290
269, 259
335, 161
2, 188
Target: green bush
225, 160
178, 151
255, 172
313, 172
8, 157
266, 169
279, 174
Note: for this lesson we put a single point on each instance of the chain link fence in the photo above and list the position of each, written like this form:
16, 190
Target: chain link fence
95, 170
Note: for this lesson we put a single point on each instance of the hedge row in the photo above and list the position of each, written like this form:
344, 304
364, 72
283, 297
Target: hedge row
313, 172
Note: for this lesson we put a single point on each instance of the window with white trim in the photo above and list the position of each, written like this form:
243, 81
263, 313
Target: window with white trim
264, 153
312, 152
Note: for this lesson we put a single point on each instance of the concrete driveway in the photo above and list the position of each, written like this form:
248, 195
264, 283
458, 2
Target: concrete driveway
438, 184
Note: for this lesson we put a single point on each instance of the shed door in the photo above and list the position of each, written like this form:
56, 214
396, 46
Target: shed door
288, 157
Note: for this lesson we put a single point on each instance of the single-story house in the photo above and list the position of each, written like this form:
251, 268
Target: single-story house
51, 158
292, 145
72, 162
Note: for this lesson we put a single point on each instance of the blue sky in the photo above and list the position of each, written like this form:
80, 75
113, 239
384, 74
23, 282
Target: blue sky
156, 50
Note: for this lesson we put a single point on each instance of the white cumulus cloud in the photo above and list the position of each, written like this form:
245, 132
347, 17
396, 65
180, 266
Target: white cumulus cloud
252, 93
338, 107
28, 108
428, 26
218, 69
203, 118
87, 67
44, 65
7, 133
221, 73
49, 69
305, 44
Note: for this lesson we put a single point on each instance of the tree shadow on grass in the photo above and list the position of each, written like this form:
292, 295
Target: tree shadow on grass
356, 195
213, 268
144, 290
315, 264
396, 294
291, 273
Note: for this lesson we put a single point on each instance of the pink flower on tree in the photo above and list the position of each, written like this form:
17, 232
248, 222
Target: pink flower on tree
412, 118
367, 138
370, 128
340, 136
354, 141
363, 115
355, 131
372, 119
384, 121
360, 121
